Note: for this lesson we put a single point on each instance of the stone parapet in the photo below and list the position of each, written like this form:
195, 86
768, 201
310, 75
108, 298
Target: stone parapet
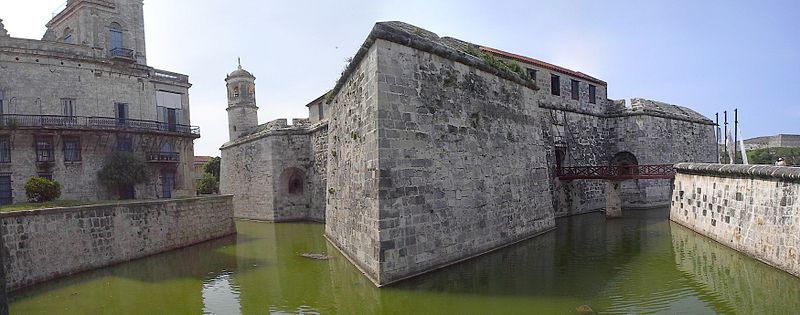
737, 170
752, 209
41, 245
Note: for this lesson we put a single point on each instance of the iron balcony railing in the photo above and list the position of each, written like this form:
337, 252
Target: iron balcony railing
93, 123
617, 172
122, 53
163, 157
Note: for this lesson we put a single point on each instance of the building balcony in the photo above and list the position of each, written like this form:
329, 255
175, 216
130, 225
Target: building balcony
122, 54
163, 157
51, 122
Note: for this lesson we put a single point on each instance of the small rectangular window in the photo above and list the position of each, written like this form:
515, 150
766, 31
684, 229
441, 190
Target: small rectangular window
44, 149
124, 143
68, 107
532, 74
575, 90
122, 114
5, 149
592, 94
321, 111
555, 85
72, 149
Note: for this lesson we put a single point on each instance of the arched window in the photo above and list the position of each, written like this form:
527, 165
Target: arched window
68, 35
235, 91
115, 36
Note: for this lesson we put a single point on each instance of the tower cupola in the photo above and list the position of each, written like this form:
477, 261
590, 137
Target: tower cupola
242, 109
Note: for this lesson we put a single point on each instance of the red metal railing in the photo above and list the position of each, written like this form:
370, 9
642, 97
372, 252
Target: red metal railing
617, 172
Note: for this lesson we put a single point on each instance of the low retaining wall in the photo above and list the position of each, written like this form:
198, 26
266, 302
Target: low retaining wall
752, 209
45, 244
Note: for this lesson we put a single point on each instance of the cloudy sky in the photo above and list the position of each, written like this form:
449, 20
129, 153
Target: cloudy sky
708, 55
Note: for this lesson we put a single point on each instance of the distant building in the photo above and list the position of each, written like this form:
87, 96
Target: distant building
199, 166
776, 141
85, 91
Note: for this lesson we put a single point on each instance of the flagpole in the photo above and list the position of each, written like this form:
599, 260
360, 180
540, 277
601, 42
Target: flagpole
716, 132
725, 143
735, 134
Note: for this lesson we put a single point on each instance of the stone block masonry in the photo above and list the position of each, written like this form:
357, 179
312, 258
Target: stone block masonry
436, 162
45, 244
752, 209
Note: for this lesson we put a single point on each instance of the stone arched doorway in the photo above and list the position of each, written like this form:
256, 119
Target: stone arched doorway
624, 159
292, 199
632, 191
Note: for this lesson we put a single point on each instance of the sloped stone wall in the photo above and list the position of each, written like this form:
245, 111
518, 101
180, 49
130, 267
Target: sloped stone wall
462, 162
351, 215
45, 244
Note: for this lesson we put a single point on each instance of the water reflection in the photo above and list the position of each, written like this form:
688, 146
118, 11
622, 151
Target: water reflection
220, 295
638, 264
747, 286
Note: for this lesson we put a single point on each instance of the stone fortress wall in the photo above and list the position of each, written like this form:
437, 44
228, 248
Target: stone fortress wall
435, 154
260, 166
752, 209
45, 244
452, 135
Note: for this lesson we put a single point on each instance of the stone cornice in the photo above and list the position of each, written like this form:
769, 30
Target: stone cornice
737, 170
275, 132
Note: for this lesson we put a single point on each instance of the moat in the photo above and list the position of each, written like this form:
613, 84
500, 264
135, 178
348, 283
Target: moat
641, 263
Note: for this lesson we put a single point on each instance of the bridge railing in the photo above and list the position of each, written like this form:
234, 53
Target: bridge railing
617, 172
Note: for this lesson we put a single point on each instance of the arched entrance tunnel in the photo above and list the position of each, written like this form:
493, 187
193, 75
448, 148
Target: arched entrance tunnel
291, 198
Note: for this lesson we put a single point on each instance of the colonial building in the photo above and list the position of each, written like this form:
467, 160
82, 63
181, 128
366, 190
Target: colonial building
431, 150
776, 141
85, 91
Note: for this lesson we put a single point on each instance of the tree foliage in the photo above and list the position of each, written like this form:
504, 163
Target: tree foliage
123, 169
209, 184
212, 167
770, 155
39, 189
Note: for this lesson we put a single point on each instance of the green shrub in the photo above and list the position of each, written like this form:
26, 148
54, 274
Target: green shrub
208, 185
770, 155
42, 189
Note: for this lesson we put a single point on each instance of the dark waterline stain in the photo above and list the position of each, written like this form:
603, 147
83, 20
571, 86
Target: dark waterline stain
641, 263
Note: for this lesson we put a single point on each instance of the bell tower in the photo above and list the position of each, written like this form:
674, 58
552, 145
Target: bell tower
115, 27
242, 109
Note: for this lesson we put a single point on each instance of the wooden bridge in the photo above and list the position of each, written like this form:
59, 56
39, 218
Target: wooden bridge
614, 175
617, 172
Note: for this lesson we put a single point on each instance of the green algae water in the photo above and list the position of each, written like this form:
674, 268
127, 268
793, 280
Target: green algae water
641, 263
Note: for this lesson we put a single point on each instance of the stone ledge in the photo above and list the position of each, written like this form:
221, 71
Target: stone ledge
301, 130
427, 41
736, 170
108, 205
